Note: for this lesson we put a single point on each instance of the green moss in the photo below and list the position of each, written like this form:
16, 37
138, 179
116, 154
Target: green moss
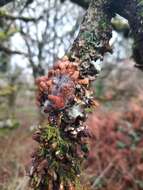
60, 153
103, 24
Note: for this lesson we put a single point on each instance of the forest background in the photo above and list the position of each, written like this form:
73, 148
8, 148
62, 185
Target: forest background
33, 36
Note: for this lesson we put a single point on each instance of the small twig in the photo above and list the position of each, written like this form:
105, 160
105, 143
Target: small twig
103, 173
9, 51
22, 18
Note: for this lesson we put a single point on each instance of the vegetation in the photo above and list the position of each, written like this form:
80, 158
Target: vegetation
88, 125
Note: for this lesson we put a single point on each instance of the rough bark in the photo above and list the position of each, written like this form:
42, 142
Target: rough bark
67, 88
95, 28
132, 10
92, 41
65, 97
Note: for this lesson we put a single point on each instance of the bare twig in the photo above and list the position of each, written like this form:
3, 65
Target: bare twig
9, 51
104, 172
25, 19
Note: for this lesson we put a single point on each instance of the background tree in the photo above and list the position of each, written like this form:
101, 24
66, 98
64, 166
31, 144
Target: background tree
44, 38
89, 47
82, 3
8, 77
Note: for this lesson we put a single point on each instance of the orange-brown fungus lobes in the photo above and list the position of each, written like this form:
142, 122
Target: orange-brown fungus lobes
58, 88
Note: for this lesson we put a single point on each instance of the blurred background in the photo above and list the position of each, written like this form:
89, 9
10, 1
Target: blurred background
33, 35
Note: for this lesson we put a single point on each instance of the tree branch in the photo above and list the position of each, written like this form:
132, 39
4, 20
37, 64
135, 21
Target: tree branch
83, 3
9, 51
12, 17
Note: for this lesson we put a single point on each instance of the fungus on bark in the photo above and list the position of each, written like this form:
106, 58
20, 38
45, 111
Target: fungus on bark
64, 96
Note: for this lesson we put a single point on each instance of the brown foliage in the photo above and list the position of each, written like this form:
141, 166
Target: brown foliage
116, 145
117, 140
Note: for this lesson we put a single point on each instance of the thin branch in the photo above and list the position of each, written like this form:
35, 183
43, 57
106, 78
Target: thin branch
83, 3
9, 51
104, 172
25, 19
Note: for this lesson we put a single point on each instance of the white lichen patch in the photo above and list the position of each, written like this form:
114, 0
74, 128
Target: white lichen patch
44, 107
97, 64
121, 46
121, 43
75, 112
120, 23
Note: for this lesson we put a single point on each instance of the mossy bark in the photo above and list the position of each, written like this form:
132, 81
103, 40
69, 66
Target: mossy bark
90, 45
95, 31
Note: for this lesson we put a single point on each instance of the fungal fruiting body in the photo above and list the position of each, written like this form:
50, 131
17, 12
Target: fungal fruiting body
63, 87
57, 90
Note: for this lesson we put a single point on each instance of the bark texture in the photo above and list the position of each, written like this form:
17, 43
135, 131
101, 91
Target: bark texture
95, 30
65, 97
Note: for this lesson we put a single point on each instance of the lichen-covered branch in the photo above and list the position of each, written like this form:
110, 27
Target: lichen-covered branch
95, 29
92, 41
132, 10
65, 98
